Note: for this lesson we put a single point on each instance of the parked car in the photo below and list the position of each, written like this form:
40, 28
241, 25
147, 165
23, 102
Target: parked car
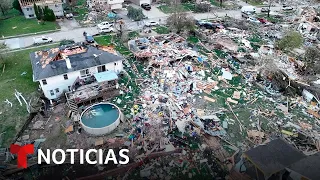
252, 19
69, 16
146, 6
105, 30
245, 14
151, 23
42, 40
250, 9
264, 9
89, 38
200, 22
287, 8
262, 20
208, 25
105, 24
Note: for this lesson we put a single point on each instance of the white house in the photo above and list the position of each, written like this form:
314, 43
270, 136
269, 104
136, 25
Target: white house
114, 4
58, 69
105, 4
28, 10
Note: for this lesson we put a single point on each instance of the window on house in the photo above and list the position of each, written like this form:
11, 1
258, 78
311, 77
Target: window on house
65, 77
56, 5
44, 82
57, 90
31, 15
69, 88
27, 9
115, 64
101, 68
84, 73
51, 92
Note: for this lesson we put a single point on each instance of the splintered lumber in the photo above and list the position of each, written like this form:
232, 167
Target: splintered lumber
232, 101
240, 124
236, 95
209, 99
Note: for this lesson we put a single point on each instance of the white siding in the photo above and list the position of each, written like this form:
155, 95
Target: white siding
115, 1
115, 6
59, 81
145, 1
28, 11
57, 9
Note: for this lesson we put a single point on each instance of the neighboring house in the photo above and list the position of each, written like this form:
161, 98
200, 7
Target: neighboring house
66, 68
105, 4
114, 4
306, 169
28, 10
269, 161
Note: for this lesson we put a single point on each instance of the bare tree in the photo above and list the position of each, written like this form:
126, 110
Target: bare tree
180, 20
312, 60
5, 5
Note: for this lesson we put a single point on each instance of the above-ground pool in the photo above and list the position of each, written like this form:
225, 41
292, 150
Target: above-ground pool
101, 118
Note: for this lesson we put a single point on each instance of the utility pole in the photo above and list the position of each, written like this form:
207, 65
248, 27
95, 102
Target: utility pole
269, 8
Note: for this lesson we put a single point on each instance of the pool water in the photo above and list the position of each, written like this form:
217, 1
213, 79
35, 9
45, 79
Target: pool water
100, 115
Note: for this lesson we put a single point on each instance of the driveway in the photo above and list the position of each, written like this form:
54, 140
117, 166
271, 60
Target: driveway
68, 24
153, 13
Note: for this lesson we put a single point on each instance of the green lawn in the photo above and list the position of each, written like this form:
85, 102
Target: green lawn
20, 25
254, 2
81, 2
193, 39
189, 6
170, 9
17, 75
133, 34
10, 13
216, 3
113, 40
162, 30
80, 13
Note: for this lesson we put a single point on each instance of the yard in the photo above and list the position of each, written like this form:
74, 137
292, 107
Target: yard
17, 74
80, 13
162, 30
254, 2
18, 25
170, 9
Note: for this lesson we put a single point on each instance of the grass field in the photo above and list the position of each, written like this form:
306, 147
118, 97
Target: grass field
17, 75
80, 13
170, 9
17, 25
162, 30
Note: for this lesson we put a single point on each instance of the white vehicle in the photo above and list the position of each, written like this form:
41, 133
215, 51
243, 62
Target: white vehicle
105, 30
254, 20
151, 23
42, 40
105, 24
250, 9
287, 8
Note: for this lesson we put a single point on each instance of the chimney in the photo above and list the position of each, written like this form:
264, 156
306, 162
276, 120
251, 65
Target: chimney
68, 62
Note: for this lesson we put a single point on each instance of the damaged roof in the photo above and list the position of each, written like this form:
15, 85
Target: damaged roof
274, 156
51, 62
308, 167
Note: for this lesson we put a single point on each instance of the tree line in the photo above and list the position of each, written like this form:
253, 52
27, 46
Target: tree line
44, 14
